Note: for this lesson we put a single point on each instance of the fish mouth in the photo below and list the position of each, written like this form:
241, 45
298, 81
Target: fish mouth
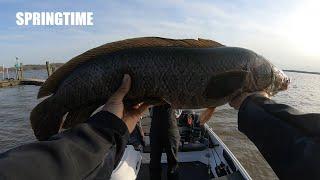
285, 83
280, 81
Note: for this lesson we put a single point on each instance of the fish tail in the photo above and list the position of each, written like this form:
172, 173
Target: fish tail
46, 118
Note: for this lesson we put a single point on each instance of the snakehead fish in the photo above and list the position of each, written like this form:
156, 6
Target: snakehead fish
185, 73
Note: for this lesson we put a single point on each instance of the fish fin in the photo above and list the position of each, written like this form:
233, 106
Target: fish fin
225, 84
79, 116
52, 83
206, 115
46, 118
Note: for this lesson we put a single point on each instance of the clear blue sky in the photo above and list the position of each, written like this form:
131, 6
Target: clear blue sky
286, 32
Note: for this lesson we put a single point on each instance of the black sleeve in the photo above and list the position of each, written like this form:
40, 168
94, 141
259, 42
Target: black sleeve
90, 150
288, 139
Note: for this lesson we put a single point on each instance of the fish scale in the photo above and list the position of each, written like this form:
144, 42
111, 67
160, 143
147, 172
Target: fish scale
185, 75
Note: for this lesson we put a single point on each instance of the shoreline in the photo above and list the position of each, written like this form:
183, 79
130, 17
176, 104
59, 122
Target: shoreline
305, 72
37, 66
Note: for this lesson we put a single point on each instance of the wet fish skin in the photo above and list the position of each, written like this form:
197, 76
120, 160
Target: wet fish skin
184, 77
171, 74
52, 83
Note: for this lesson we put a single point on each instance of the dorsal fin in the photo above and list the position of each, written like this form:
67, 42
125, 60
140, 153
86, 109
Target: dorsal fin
52, 83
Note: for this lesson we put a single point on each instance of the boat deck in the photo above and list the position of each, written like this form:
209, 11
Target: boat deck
187, 171
192, 164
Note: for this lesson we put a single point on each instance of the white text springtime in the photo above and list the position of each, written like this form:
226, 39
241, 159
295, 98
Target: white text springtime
54, 18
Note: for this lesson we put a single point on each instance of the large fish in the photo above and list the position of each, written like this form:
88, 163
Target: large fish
184, 73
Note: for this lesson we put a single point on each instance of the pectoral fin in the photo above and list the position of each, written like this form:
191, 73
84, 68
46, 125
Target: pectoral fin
225, 84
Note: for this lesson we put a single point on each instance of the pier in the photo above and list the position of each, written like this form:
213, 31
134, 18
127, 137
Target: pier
8, 83
27, 81
20, 80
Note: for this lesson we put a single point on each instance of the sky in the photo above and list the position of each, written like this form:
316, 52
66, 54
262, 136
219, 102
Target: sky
284, 31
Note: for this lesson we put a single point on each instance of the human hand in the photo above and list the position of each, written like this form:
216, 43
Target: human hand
114, 105
206, 115
237, 101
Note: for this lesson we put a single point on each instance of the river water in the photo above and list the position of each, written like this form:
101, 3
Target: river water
303, 94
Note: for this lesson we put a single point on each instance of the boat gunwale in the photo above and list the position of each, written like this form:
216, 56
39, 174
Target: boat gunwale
242, 170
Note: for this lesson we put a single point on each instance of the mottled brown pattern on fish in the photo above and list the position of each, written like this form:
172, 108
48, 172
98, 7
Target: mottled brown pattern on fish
185, 77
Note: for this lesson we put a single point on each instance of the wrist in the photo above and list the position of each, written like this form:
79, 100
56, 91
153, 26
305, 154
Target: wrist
257, 97
239, 100
108, 120
115, 109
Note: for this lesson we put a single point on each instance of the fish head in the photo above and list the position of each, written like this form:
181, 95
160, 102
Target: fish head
267, 77
279, 81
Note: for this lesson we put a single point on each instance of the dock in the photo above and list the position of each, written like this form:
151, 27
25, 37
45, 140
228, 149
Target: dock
14, 82
32, 81
20, 80
9, 83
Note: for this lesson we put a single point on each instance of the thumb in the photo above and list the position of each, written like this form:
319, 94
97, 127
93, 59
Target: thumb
123, 89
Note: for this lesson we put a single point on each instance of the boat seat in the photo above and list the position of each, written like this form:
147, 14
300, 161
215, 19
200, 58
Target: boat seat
192, 147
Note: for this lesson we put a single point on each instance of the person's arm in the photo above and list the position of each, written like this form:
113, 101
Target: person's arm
206, 115
89, 151
77, 153
288, 139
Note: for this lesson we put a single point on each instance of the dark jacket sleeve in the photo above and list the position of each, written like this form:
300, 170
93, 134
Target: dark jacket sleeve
288, 139
89, 151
